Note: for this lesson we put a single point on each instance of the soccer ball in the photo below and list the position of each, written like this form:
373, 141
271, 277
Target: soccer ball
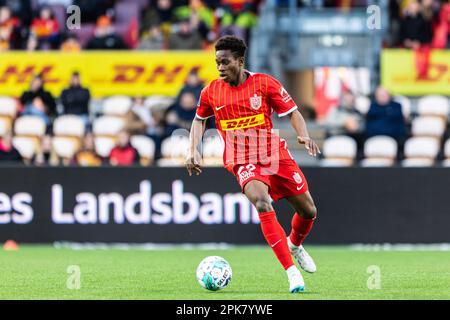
214, 273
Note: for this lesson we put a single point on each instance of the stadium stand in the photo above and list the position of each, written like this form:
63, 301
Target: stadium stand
41, 26
32, 126
428, 126
65, 147
213, 147
5, 126
117, 106
433, 105
339, 151
146, 148
406, 106
174, 151
446, 162
26, 146
380, 151
420, 152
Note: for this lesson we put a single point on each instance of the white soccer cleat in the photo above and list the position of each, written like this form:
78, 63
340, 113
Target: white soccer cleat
296, 283
303, 258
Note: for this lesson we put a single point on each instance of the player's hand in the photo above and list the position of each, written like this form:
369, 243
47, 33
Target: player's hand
193, 163
310, 145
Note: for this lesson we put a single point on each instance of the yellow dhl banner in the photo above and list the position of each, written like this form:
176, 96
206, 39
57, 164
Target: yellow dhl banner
105, 73
400, 72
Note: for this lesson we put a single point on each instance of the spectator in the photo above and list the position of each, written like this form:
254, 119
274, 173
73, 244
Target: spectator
71, 44
385, 117
161, 14
139, 119
124, 154
104, 37
185, 37
36, 108
345, 119
32, 43
21, 9
415, 28
46, 29
158, 113
200, 15
193, 84
236, 18
87, 157
182, 114
45, 155
8, 24
430, 10
7, 151
75, 99
37, 90
153, 39
157, 132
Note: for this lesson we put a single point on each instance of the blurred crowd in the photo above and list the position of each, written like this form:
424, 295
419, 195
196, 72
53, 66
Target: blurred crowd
384, 117
358, 117
156, 123
418, 24
185, 25
120, 24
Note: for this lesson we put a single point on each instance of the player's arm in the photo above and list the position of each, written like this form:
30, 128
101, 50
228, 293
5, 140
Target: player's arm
299, 125
193, 161
283, 104
204, 111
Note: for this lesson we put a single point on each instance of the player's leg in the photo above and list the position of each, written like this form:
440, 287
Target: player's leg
258, 194
302, 223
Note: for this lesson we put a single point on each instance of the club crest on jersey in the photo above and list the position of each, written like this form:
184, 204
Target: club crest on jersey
297, 177
255, 102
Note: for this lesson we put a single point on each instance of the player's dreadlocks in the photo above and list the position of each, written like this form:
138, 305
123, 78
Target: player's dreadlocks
234, 44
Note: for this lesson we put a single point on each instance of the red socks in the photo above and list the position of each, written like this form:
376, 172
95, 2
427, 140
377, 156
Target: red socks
300, 228
276, 238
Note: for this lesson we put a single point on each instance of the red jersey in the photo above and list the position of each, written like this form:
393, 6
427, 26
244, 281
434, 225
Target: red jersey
243, 118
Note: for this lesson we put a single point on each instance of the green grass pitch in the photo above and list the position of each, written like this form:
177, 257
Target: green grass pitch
40, 272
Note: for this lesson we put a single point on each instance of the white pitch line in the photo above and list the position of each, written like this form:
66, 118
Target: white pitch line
401, 247
226, 246
139, 246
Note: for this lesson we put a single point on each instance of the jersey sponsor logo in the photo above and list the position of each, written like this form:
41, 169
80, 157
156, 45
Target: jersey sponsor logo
242, 123
255, 102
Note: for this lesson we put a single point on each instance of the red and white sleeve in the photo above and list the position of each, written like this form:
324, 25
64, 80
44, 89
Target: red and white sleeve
279, 99
204, 109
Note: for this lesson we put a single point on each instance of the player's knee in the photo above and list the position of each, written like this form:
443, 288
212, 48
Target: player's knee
308, 211
263, 205
311, 212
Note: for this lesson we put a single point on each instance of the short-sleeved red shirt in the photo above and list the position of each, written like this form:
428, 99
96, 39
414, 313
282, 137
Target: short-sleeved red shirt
243, 117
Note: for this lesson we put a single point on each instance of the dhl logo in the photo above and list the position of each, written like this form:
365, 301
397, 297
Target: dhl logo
242, 123
120, 74
106, 73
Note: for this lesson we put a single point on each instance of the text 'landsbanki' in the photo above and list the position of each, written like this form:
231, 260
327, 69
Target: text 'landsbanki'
142, 207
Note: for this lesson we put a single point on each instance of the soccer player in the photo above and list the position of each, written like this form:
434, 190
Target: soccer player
242, 103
